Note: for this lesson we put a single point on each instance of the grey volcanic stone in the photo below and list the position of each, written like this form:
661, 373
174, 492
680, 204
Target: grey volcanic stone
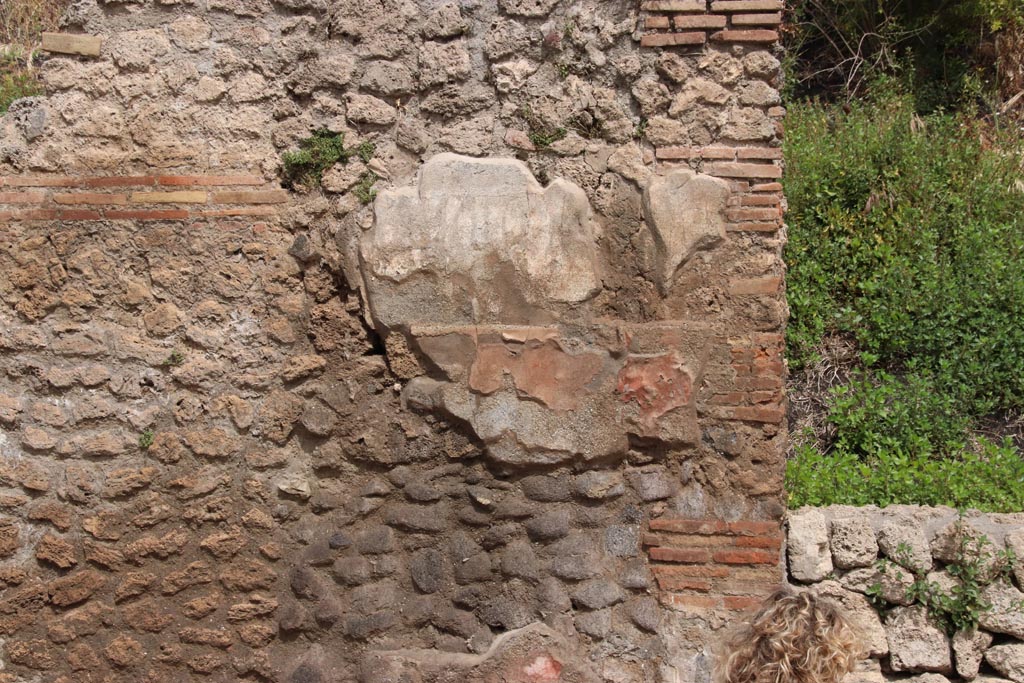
547, 489
597, 593
651, 483
549, 526
621, 540
595, 624
427, 568
375, 540
429, 519
600, 485
645, 613
519, 560
575, 557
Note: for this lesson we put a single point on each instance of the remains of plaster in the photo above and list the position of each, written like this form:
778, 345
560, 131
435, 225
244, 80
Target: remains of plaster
486, 274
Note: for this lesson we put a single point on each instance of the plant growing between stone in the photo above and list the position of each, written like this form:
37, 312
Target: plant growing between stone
976, 564
176, 357
305, 166
146, 439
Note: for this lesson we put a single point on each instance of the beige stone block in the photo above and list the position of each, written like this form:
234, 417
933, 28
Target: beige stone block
72, 44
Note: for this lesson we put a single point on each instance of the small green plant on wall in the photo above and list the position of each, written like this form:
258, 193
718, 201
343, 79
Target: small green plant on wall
959, 607
305, 166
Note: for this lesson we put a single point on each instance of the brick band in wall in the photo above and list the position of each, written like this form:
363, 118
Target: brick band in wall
712, 564
136, 198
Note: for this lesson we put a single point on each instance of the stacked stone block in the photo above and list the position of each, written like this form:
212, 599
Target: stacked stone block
866, 560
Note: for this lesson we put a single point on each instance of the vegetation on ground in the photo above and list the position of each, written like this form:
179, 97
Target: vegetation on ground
906, 266
22, 23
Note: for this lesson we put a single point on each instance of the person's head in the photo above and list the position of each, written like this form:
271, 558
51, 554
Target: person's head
792, 638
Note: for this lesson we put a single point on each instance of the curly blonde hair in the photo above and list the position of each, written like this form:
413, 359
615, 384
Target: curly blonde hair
792, 638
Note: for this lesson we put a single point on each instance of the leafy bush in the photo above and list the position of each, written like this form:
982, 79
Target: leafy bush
907, 236
15, 84
991, 480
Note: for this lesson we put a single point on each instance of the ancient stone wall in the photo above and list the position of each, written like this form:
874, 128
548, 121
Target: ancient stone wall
880, 566
498, 398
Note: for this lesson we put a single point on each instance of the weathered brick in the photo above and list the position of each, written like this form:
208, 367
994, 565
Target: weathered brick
142, 215
22, 197
752, 214
746, 5
747, 36
744, 557
241, 211
689, 526
656, 22
767, 542
679, 583
195, 180
738, 602
692, 21
674, 6
683, 555
37, 214
768, 415
758, 286
90, 198
38, 181
767, 187
251, 197
772, 153
172, 197
117, 181
667, 39
740, 170
79, 215
761, 200
72, 44
772, 19
682, 601
733, 398
709, 571
753, 528
676, 152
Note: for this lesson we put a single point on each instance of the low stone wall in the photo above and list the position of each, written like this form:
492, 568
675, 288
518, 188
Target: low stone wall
877, 563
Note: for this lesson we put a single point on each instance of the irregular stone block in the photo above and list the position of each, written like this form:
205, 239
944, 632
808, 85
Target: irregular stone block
809, 556
916, 643
1005, 615
467, 221
903, 541
685, 213
1008, 660
968, 650
853, 543
861, 615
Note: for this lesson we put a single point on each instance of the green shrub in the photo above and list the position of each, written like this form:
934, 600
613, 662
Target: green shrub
991, 480
878, 412
908, 234
16, 83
